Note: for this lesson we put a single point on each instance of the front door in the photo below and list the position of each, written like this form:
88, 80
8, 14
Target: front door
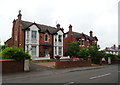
47, 52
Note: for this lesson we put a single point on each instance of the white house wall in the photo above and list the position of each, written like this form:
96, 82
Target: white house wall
29, 42
57, 44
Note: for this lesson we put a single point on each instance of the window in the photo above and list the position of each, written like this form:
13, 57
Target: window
82, 42
27, 34
55, 50
33, 50
60, 50
87, 42
27, 48
55, 38
46, 38
60, 38
34, 34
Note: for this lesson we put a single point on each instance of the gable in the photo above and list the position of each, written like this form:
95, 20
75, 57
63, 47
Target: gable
60, 32
34, 27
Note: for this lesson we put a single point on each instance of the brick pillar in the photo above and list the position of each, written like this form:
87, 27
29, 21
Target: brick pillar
101, 61
57, 62
90, 60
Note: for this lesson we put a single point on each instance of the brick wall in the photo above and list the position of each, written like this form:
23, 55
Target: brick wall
12, 66
68, 64
42, 48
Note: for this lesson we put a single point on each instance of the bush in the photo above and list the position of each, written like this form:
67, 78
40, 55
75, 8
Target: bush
73, 49
112, 56
83, 53
14, 53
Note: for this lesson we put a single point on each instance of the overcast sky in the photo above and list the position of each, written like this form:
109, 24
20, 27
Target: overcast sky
100, 16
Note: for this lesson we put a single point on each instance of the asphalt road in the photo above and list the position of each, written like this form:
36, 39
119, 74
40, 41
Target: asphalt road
108, 74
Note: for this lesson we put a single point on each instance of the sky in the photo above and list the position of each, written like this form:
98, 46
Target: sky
99, 16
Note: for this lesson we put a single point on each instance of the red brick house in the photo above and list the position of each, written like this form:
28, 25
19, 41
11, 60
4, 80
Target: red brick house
45, 42
41, 41
82, 38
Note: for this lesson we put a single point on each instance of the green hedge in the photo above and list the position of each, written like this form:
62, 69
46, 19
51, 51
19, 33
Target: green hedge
14, 53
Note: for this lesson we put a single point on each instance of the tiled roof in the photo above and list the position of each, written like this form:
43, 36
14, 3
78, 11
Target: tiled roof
43, 28
79, 36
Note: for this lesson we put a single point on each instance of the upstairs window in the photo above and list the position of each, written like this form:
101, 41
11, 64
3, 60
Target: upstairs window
60, 38
34, 35
55, 38
27, 34
46, 38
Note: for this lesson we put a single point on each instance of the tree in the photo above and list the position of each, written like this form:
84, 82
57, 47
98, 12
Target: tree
73, 49
83, 53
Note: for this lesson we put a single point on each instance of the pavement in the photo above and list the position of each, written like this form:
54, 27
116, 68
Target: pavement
49, 66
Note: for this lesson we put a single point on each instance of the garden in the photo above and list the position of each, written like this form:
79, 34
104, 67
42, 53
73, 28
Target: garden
13, 59
74, 50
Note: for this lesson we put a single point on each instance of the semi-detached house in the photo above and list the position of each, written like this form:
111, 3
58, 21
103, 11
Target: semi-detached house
45, 42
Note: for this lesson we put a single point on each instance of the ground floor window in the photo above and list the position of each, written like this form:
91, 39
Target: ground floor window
55, 50
60, 50
27, 48
33, 50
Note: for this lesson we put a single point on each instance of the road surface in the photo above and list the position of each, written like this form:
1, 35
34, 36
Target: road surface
108, 74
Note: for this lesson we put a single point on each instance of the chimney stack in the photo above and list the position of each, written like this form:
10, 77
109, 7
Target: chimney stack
70, 28
91, 34
58, 25
114, 46
19, 15
118, 46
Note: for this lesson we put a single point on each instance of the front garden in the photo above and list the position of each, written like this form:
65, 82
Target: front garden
13, 59
74, 50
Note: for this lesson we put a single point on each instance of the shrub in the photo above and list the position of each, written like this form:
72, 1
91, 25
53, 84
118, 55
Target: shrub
112, 56
73, 49
83, 53
14, 53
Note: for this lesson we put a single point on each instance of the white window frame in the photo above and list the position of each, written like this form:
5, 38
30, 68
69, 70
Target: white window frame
33, 37
34, 54
60, 38
60, 50
55, 50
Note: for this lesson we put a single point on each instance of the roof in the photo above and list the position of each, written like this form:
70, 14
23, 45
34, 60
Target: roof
43, 28
79, 36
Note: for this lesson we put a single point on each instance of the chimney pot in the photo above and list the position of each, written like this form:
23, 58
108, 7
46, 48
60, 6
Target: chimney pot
58, 25
91, 33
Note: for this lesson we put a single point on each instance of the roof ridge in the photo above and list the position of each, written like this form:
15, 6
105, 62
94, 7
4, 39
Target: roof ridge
38, 24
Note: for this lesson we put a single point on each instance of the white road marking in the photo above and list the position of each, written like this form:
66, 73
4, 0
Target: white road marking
69, 83
100, 76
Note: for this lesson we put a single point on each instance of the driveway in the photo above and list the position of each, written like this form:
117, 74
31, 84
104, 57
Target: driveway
40, 66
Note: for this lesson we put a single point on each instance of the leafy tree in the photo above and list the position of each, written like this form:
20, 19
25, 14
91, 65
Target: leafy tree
83, 53
14, 53
73, 49
94, 52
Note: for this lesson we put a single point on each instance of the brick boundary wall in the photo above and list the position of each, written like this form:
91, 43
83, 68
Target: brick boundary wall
68, 64
11, 66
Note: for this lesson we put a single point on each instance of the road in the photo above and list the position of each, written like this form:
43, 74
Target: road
108, 74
